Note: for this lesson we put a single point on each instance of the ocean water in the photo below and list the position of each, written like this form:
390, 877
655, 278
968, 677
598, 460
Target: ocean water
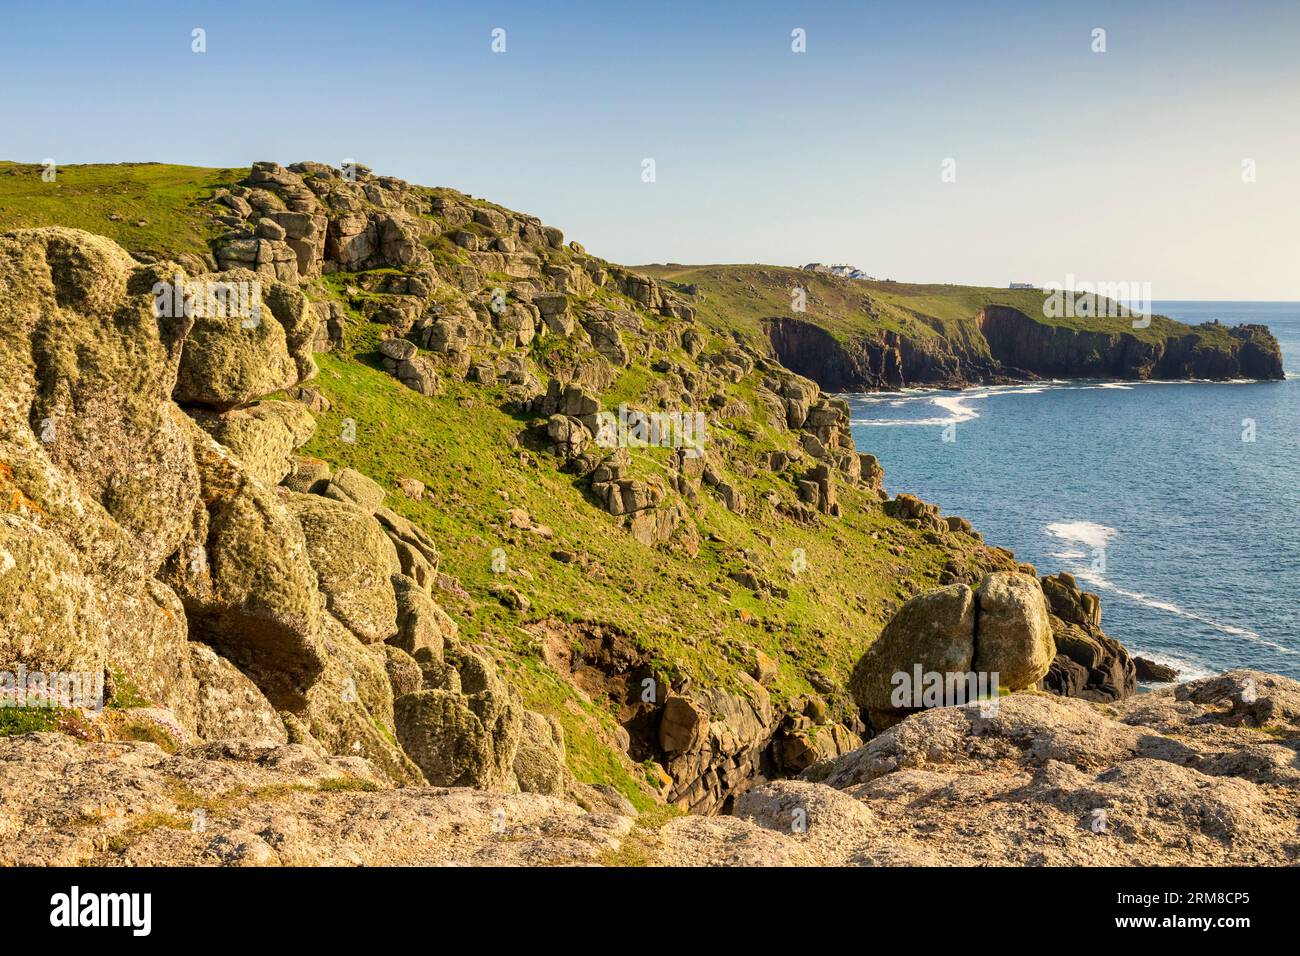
1178, 503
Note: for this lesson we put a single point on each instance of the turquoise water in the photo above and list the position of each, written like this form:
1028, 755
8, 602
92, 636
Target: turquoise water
1146, 492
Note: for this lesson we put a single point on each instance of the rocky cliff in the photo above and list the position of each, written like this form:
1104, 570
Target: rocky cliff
856, 335
393, 487
1015, 347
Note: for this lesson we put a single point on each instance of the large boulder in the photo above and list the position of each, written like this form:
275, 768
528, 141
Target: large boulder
1014, 634
350, 485
246, 580
354, 563
683, 725
450, 741
262, 436
229, 704
230, 361
935, 630
465, 734
944, 647
539, 763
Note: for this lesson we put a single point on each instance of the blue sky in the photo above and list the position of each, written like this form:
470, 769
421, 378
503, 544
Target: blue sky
1116, 166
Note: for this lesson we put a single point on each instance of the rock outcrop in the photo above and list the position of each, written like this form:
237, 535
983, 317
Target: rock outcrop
1201, 774
277, 620
1088, 663
144, 534
995, 638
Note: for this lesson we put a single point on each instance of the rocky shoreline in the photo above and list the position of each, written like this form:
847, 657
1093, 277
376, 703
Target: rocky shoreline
1012, 348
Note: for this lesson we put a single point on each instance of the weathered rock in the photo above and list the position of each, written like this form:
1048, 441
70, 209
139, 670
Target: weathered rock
262, 436
229, 704
307, 475
424, 628
404, 673
449, 738
88, 371
354, 563
539, 763
714, 741
935, 630
397, 349
1088, 663
412, 488
230, 361
49, 608
416, 552
419, 374
295, 807
351, 486
1151, 672
683, 726
963, 637
246, 581
606, 339
349, 710
1014, 633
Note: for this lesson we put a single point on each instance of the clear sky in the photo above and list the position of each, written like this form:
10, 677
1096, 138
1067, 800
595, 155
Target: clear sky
1125, 165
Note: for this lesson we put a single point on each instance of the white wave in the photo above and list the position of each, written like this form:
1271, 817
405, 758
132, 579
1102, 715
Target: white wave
886, 423
1099, 582
1083, 532
1187, 670
956, 409
952, 404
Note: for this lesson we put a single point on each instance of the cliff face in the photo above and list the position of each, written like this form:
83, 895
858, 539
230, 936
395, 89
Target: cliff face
376, 533
1017, 341
1007, 345
330, 501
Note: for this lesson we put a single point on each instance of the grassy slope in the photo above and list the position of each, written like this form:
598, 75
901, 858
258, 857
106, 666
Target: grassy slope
84, 197
685, 613
738, 296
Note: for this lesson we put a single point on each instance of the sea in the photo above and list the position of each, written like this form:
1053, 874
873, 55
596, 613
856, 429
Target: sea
1177, 502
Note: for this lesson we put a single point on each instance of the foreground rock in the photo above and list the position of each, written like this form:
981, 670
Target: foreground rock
1201, 774
259, 803
1000, 634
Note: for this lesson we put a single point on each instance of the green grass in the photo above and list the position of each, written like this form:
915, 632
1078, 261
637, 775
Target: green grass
15, 721
684, 613
87, 197
686, 616
737, 297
